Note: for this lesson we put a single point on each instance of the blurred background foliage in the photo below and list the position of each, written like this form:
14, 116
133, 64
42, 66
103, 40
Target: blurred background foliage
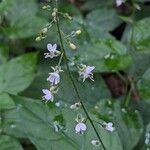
116, 40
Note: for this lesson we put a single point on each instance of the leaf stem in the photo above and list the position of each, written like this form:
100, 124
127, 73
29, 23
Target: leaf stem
72, 80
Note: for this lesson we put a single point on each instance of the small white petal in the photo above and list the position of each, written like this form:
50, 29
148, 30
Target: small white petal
119, 2
54, 47
89, 69
80, 128
54, 78
45, 91
95, 143
109, 126
57, 104
49, 47
86, 72
48, 95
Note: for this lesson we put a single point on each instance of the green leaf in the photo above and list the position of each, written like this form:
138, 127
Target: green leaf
22, 18
26, 27
6, 102
103, 19
18, 73
141, 35
90, 92
9, 143
128, 124
144, 85
110, 140
3, 53
105, 55
141, 61
17, 9
33, 120
143, 107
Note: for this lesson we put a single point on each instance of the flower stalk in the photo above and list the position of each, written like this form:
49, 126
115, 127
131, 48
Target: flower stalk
72, 80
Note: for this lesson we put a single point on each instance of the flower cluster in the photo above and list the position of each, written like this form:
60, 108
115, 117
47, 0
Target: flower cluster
54, 77
84, 71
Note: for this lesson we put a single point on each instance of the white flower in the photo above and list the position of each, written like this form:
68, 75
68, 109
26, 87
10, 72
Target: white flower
80, 128
147, 138
54, 78
119, 2
48, 95
109, 126
147, 141
95, 143
86, 72
75, 106
57, 104
57, 126
53, 52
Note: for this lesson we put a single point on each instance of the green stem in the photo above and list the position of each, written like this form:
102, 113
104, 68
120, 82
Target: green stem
127, 100
123, 79
60, 59
72, 80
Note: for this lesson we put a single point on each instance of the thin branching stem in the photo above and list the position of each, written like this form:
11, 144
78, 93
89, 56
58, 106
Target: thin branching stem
72, 80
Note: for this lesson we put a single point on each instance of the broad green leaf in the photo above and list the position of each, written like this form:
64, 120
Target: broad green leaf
143, 108
128, 124
18, 73
22, 18
3, 53
141, 61
9, 143
110, 140
90, 92
26, 27
140, 36
6, 102
17, 9
105, 55
33, 120
144, 85
103, 19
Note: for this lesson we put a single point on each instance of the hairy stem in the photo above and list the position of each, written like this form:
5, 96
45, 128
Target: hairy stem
72, 80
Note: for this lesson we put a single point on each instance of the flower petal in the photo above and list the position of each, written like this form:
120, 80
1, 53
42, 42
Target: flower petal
54, 47
45, 91
49, 47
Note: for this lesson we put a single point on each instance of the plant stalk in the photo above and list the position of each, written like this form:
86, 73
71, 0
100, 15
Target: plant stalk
72, 80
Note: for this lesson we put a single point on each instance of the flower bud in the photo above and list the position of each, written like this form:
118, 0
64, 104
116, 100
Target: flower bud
72, 46
55, 10
53, 14
69, 17
78, 32
44, 30
38, 39
44, 7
